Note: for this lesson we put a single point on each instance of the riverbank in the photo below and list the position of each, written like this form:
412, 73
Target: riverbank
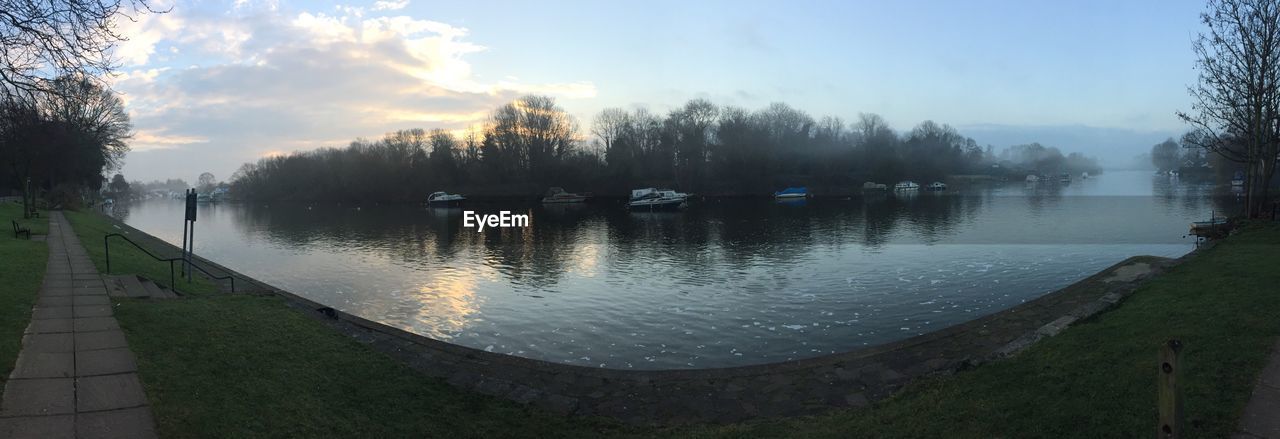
230, 347
217, 365
1097, 379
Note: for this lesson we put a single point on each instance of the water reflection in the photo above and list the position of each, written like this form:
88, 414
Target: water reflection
725, 282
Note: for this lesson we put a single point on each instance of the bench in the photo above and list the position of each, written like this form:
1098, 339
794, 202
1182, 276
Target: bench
19, 230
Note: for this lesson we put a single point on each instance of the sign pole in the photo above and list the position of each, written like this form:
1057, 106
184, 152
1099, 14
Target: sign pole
189, 233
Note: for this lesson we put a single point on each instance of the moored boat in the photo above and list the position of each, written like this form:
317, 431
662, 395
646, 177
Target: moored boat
1064, 178
936, 186
906, 186
873, 186
1238, 179
558, 195
441, 199
792, 192
657, 199
1033, 178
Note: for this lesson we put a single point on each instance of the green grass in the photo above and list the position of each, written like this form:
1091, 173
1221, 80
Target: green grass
125, 258
22, 265
1098, 379
217, 365
13, 211
249, 366
245, 366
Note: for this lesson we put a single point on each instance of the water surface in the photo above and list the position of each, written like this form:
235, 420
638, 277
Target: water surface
724, 283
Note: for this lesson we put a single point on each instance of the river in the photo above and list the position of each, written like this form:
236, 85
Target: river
724, 283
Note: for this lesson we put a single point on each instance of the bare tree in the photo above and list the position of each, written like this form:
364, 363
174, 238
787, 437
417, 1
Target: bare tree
206, 182
1236, 109
609, 125
42, 39
530, 135
97, 112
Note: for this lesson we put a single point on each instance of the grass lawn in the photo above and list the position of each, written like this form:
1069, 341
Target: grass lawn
22, 265
125, 258
217, 365
240, 366
1098, 379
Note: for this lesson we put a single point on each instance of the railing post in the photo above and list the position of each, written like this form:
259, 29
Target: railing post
106, 247
171, 283
1170, 403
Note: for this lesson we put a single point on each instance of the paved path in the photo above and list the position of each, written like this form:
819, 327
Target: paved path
1262, 415
75, 376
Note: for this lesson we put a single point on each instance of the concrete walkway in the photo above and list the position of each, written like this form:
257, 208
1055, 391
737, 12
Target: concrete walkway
75, 376
1261, 417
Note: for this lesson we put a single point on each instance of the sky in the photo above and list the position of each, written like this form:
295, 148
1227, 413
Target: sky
214, 84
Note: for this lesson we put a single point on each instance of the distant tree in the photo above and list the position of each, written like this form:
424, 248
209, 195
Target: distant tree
529, 136
70, 137
689, 129
1236, 102
1166, 155
471, 146
609, 125
118, 186
878, 148
206, 182
531, 143
444, 152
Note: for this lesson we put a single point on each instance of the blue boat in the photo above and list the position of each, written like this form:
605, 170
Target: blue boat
792, 192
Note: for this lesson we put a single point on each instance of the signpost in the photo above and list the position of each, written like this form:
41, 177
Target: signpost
189, 233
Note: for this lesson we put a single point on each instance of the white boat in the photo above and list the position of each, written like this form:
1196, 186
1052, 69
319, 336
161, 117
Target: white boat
441, 199
557, 195
657, 199
906, 186
792, 192
1238, 179
1084, 175
1032, 178
936, 186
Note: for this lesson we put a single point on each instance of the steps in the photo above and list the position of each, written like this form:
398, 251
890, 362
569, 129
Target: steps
128, 285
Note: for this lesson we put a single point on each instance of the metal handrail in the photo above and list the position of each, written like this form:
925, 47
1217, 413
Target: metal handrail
106, 245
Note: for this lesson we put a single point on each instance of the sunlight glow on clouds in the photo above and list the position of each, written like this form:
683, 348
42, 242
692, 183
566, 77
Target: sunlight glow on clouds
223, 87
147, 140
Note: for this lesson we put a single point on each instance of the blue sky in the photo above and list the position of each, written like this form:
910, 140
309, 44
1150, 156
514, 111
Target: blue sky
215, 84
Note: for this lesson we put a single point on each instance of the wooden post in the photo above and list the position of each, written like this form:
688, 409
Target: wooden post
1170, 393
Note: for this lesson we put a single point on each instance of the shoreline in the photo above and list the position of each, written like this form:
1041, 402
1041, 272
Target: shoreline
679, 396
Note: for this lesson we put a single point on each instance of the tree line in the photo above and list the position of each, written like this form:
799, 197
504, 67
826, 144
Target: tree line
61, 127
60, 142
532, 143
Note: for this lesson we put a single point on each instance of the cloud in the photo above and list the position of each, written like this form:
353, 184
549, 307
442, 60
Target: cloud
144, 32
147, 140
261, 81
390, 6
